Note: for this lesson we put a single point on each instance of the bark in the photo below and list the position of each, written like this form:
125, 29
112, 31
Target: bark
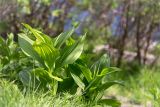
148, 41
124, 37
138, 37
138, 57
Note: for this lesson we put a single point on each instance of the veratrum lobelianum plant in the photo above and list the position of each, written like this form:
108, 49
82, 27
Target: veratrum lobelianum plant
62, 68
12, 60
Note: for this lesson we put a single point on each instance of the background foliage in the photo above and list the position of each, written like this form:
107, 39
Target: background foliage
127, 30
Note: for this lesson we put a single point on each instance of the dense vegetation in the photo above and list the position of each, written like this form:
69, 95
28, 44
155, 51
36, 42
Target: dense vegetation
56, 65
71, 52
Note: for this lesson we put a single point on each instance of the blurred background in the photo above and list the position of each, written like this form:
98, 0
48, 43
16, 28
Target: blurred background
128, 30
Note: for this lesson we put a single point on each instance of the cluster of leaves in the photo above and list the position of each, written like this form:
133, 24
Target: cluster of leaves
56, 64
12, 60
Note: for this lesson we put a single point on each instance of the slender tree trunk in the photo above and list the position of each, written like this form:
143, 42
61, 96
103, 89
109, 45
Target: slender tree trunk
138, 37
138, 57
148, 41
123, 39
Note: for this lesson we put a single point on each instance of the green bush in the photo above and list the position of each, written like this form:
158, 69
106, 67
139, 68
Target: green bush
58, 65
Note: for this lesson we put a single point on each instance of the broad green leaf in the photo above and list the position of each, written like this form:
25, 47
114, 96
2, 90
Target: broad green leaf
40, 37
103, 62
62, 38
109, 70
85, 59
78, 81
10, 39
25, 77
70, 41
55, 77
94, 82
73, 52
46, 38
45, 75
106, 85
47, 53
26, 46
86, 72
42, 74
110, 102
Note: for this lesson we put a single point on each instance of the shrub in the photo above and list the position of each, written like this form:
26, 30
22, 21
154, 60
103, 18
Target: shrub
59, 65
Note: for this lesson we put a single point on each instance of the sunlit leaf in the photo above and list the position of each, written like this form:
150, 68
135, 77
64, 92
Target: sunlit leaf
86, 72
45, 75
109, 70
73, 52
40, 37
103, 62
47, 53
78, 81
55, 77
61, 39
26, 46
94, 82
106, 85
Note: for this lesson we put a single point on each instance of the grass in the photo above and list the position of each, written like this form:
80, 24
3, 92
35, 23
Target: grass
11, 96
140, 89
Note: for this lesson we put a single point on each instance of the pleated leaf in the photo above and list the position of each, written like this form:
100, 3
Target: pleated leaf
47, 53
77, 80
61, 39
106, 85
26, 46
73, 52
109, 70
40, 37
86, 72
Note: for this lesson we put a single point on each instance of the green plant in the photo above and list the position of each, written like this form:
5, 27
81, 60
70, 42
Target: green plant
60, 65
12, 60
9, 50
92, 80
53, 55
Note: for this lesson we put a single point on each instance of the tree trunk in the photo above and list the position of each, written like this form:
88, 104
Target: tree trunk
138, 37
148, 41
123, 39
